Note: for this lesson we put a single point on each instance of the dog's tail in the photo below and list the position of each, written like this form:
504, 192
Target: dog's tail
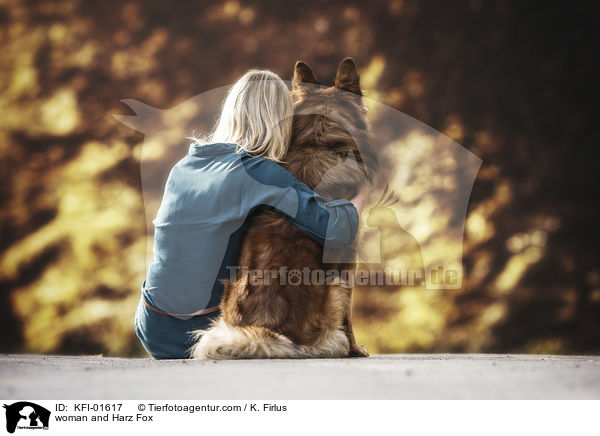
223, 341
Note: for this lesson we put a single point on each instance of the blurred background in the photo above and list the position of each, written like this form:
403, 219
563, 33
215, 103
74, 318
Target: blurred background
511, 81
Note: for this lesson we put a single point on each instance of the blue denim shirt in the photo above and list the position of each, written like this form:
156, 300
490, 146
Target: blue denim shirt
203, 216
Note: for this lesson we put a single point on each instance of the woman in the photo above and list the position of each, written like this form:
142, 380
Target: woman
208, 197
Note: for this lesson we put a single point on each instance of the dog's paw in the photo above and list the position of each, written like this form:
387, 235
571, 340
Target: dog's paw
357, 350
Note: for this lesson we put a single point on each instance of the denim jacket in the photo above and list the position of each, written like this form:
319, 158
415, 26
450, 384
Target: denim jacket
199, 227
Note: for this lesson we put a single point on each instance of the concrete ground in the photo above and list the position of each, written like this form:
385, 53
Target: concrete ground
414, 376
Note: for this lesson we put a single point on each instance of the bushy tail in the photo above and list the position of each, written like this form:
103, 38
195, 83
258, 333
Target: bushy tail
223, 341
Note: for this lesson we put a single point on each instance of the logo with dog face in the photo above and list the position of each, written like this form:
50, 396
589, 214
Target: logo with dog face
26, 415
416, 199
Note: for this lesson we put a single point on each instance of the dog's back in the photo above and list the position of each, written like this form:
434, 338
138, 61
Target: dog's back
300, 319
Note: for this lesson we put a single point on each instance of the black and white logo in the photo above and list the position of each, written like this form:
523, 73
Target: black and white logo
26, 415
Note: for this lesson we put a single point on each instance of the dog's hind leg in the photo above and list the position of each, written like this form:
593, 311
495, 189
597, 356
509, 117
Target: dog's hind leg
334, 344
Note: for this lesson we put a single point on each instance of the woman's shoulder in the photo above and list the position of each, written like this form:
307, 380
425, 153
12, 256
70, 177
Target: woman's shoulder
268, 171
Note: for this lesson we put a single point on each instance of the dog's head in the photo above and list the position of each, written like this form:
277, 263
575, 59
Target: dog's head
330, 123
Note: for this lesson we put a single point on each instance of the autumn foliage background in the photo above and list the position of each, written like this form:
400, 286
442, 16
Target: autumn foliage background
514, 82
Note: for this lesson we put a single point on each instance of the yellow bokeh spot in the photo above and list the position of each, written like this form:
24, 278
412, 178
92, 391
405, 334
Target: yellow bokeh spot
516, 267
369, 78
60, 114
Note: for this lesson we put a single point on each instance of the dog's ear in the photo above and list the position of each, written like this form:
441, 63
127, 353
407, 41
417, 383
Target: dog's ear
303, 74
347, 77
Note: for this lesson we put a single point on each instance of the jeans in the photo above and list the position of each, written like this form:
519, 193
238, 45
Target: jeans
167, 337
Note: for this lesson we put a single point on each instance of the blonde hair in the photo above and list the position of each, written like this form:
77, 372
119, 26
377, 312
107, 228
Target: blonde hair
257, 116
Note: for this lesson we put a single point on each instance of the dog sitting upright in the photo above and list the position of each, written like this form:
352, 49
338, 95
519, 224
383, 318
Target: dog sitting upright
271, 320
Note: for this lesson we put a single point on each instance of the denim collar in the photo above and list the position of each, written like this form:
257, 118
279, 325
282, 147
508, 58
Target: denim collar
211, 149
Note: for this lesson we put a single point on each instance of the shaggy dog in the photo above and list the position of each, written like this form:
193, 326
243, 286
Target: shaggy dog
271, 320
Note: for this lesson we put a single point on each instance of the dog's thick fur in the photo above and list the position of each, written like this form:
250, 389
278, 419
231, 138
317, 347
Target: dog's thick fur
299, 321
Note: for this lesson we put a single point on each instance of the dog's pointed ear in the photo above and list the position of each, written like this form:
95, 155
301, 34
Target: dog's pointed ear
303, 74
347, 77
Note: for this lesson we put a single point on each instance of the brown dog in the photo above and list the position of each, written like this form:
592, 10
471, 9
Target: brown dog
271, 320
